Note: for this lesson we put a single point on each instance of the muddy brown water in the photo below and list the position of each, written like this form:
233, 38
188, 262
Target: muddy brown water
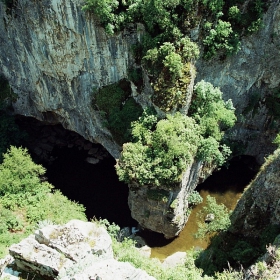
186, 239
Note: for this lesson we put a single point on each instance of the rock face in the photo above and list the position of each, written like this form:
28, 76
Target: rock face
53, 55
78, 250
162, 210
248, 78
260, 204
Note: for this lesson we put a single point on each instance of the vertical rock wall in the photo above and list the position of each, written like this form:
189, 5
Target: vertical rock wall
254, 70
260, 204
53, 55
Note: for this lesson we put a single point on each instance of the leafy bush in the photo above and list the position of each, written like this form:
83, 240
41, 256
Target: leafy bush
220, 38
212, 113
221, 221
167, 21
25, 199
19, 174
194, 198
161, 151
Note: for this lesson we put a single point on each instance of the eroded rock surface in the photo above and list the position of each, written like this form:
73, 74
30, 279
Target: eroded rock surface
53, 55
78, 250
163, 210
260, 204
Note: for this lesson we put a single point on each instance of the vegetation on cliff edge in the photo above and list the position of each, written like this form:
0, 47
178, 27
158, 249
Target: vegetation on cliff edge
162, 149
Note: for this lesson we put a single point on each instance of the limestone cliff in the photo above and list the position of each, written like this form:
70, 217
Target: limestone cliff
260, 204
53, 55
249, 78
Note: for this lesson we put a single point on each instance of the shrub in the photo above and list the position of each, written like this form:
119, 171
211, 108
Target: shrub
120, 109
194, 198
221, 221
161, 152
25, 199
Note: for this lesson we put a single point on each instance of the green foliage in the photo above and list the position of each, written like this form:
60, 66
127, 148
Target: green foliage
194, 198
25, 199
111, 228
220, 38
104, 9
161, 150
236, 250
20, 174
120, 109
169, 21
212, 113
277, 140
234, 14
10, 134
214, 116
221, 221
126, 252
172, 94
215, 6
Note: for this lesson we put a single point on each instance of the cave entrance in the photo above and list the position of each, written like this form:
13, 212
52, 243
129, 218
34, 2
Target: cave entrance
226, 185
66, 156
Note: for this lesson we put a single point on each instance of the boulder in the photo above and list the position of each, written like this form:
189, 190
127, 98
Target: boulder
78, 250
175, 259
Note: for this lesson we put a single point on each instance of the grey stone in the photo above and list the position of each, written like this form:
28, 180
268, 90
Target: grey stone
92, 160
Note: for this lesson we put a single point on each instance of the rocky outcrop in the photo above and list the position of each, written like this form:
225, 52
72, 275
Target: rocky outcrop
53, 55
78, 250
163, 210
260, 204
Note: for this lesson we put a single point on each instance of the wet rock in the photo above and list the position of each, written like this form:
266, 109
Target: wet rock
92, 160
209, 218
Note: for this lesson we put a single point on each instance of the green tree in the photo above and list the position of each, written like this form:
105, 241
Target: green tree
25, 199
19, 174
221, 220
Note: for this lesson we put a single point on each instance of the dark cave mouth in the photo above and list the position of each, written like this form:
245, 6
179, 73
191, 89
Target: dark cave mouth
96, 186
66, 156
